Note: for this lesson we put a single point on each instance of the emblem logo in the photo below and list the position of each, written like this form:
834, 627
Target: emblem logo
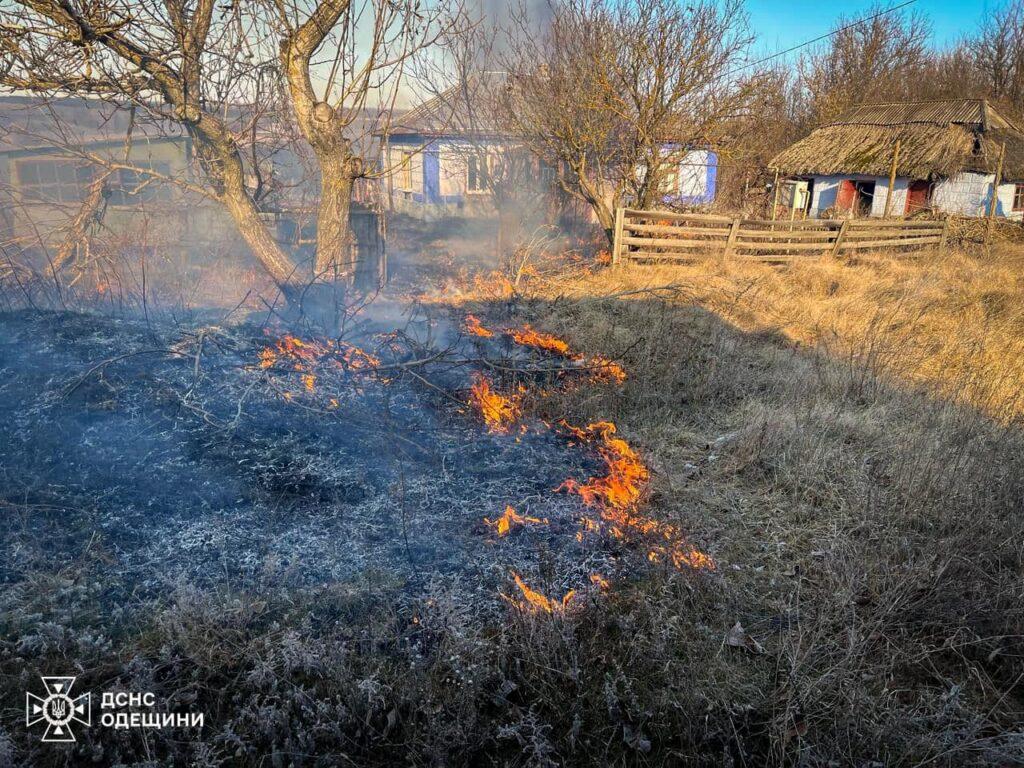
57, 709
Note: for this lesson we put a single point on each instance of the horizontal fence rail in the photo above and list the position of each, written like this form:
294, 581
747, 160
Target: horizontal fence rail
668, 236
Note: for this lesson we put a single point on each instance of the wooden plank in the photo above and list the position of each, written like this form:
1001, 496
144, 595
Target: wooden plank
840, 237
904, 243
771, 257
731, 242
784, 246
870, 223
633, 213
944, 236
656, 229
797, 224
663, 256
796, 236
862, 234
656, 242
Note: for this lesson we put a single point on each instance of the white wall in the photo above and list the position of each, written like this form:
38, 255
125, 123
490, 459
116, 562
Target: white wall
966, 194
452, 164
899, 196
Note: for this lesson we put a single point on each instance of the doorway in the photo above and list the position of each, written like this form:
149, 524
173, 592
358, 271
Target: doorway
919, 195
855, 196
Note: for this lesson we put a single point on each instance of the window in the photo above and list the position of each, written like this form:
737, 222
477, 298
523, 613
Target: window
405, 172
1018, 197
548, 174
54, 180
478, 174
128, 187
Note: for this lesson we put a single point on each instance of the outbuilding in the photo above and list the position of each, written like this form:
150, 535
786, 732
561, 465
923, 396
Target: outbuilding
946, 156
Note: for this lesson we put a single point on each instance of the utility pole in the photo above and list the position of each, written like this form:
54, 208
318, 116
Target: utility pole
775, 194
993, 203
892, 180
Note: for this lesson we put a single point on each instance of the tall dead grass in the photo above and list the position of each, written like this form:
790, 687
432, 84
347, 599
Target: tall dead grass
845, 438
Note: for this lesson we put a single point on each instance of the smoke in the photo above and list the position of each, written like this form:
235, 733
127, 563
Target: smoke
504, 20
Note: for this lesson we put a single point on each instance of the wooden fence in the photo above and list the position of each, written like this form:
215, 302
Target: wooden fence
665, 236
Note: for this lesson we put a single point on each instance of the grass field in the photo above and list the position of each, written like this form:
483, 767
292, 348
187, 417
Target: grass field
843, 439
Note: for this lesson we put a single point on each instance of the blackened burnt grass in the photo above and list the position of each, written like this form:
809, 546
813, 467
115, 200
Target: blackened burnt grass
318, 582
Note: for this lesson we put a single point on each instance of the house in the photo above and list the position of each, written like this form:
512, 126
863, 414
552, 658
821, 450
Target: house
438, 161
947, 159
51, 150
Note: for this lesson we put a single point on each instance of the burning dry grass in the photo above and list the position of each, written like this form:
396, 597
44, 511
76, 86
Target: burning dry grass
846, 438
842, 440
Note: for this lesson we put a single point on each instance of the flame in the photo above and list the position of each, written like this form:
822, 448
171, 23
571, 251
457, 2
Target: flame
536, 601
499, 412
528, 337
599, 581
306, 356
608, 369
473, 327
503, 525
622, 487
617, 494
603, 367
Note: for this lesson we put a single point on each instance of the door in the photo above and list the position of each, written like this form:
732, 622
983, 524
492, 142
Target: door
918, 196
846, 195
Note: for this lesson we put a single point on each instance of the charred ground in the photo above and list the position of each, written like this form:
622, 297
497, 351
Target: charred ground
320, 582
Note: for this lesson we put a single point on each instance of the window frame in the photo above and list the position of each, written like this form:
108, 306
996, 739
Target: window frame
405, 170
1018, 197
473, 169
58, 190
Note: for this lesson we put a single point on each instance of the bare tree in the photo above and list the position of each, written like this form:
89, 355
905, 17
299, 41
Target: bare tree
614, 94
220, 73
1000, 55
879, 59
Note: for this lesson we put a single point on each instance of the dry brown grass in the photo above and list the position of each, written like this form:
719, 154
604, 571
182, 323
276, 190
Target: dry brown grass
845, 439
954, 322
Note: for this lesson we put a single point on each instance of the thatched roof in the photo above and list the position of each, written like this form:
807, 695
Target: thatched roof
937, 138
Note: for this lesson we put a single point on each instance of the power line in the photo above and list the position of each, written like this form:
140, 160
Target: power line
819, 38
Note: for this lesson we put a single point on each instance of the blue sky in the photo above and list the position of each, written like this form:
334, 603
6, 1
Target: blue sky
780, 24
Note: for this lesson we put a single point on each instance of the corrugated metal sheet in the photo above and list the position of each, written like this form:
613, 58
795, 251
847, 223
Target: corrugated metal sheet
958, 111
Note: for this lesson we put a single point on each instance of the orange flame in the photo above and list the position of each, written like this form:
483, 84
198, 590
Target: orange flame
503, 525
474, 328
608, 369
536, 601
306, 356
599, 581
617, 494
528, 337
499, 412
622, 487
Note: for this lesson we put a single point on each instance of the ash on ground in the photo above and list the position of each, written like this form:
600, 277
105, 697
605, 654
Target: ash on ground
177, 458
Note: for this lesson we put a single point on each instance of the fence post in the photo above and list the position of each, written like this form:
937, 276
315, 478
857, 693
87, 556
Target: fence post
840, 237
617, 236
945, 235
731, 242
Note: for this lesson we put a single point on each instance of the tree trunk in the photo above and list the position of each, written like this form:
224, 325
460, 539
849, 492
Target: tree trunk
335, 251
219, 158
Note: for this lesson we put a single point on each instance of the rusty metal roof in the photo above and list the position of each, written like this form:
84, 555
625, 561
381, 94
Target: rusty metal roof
967, 112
